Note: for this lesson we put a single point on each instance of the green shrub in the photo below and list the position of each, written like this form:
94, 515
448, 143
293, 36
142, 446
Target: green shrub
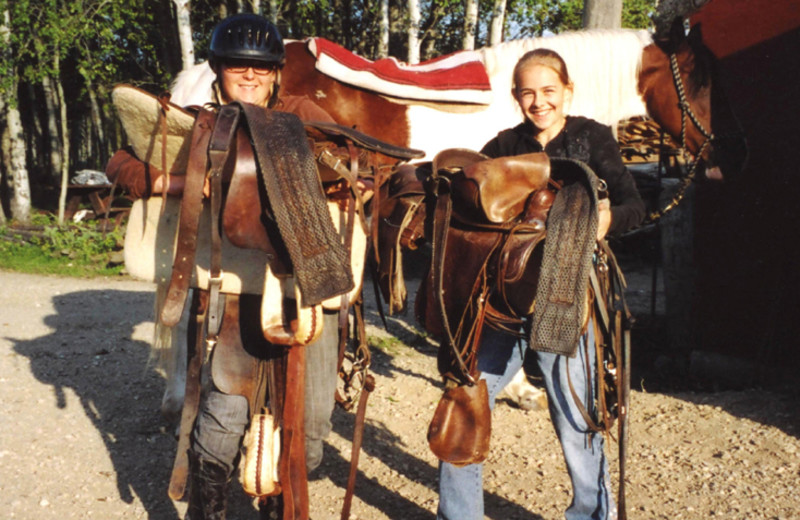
74, 249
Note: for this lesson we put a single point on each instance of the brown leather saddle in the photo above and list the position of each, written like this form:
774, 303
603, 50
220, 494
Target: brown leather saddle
485, 219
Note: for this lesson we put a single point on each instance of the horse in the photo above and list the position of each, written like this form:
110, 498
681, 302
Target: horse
617, 74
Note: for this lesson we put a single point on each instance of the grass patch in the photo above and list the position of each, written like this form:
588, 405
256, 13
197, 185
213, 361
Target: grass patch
388, 344
74, 249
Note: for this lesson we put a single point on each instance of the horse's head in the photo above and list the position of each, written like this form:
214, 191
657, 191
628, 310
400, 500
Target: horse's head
679, 85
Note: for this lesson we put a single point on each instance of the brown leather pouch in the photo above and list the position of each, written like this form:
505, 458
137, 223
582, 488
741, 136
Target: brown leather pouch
461, 427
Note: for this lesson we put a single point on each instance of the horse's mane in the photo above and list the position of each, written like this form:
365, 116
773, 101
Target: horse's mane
603, 65
192, 86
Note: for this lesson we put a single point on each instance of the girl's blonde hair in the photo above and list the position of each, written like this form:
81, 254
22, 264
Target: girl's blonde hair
548, 58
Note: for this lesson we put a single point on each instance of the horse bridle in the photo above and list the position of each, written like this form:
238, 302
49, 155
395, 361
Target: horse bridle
686, 112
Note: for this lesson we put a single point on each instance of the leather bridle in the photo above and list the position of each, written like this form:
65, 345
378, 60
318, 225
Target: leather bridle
686, 113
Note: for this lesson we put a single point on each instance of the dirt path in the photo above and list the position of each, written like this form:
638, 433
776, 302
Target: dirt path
81, 435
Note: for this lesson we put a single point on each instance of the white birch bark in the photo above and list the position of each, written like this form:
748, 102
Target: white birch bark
182, 10
383, 40
498, 19
21, 199
602, 14
470, 24
413, 31
62, 107
273, 11
15, 161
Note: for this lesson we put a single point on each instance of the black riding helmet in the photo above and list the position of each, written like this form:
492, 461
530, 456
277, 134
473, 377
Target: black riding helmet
246, 36
250, 37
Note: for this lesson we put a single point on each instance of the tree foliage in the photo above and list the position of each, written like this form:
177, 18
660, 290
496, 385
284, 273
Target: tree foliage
87, 46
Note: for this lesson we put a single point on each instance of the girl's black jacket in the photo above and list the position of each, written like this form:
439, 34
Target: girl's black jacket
588, 141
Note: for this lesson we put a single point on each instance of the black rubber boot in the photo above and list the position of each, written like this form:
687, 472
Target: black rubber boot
208, 490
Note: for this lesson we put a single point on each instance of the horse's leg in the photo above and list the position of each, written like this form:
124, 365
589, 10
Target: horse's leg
524, 394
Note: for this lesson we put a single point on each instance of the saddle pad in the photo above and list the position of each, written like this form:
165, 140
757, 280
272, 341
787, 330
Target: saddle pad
459, 77
140, 115
150, 246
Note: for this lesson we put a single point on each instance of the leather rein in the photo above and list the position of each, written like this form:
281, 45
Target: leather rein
710, 138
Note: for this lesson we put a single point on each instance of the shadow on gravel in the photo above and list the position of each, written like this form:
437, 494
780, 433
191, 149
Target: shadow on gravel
94, 355
380, 443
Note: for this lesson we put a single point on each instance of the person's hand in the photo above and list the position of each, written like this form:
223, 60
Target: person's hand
366, 187
176, 183
603, 218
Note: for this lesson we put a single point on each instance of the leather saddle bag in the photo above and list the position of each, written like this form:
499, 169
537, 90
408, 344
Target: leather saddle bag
461, 428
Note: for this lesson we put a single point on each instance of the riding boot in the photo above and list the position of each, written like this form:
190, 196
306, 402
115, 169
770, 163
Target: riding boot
208, 490
271, 508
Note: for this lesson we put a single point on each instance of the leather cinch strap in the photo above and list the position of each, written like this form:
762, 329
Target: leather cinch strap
287, 167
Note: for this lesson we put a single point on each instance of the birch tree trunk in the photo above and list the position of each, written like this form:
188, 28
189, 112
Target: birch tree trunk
498, 19
255, 6
4, 145
5, 165
97, 122
34, 134
18, 171
273, 11
470, 24
62, 105
52, 125
413, 31
182, 10
602, 14
383, 37
17, 168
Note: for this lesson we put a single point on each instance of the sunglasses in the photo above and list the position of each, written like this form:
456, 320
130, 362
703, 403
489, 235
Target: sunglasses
259, 68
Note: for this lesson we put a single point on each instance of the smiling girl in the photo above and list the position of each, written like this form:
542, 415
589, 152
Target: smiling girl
543, 91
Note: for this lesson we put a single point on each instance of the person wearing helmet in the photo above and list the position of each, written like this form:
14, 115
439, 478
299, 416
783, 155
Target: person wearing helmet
247, 54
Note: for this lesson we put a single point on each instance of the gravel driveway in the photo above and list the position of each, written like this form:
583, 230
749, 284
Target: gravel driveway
81, 435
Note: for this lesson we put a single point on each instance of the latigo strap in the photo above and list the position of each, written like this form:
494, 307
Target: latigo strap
191, 206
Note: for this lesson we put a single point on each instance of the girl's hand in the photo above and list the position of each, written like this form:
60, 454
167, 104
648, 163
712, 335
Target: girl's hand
603, 218
176, 183
366, 187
